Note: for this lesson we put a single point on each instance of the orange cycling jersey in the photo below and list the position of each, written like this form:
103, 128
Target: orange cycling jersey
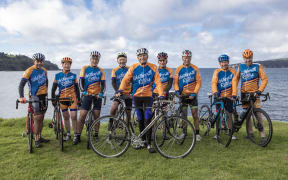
92, 77
250, 76
118, 73
187, 79
222, 82
165, 74
37, 79
142, 78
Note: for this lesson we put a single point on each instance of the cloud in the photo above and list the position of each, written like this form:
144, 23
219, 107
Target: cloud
207, 27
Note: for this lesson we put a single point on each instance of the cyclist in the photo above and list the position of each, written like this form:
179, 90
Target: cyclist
118, 74
250, 74
142, 75
187, 83
68, 87
92, 84
166, 74
36, 76
222, 85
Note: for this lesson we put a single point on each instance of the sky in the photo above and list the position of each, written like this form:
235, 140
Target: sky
209, 28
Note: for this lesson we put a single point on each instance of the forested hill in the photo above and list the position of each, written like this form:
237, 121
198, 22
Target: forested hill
275, 63
20, 63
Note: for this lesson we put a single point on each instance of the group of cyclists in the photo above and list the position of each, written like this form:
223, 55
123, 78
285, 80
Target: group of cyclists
140, 83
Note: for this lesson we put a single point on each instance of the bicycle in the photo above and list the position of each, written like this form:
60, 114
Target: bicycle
224, 122
29, 123
57, 123
115, 135
90, 119
257, 120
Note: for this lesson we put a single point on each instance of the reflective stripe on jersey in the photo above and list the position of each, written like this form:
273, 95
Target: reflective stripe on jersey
66, 84
92, 76
222, 82
165, 74
249, 76
187, 79
118, 73
37, 80
142, 78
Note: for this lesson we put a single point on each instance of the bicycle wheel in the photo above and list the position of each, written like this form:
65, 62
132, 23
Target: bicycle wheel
60, 130
259, 127
224, 128
88, 121
30, 133
204, 119
180, 137
113, 137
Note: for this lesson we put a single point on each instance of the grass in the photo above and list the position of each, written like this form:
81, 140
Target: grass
208, 160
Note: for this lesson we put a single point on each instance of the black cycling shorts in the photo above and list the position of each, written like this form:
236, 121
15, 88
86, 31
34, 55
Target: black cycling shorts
192, 102
228, 105
87, 102
41, 106
128, 103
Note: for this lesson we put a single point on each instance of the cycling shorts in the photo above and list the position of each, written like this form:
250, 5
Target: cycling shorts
88, 101
41, 106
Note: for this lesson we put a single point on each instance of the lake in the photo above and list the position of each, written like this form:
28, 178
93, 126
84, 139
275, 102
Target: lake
276, 107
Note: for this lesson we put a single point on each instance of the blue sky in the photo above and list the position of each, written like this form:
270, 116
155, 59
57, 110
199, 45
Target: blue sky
208, 28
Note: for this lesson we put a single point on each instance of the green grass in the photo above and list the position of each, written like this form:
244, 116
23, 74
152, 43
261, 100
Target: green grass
208, 160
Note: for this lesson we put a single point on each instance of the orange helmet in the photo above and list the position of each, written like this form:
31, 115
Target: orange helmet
247, 53
66, 59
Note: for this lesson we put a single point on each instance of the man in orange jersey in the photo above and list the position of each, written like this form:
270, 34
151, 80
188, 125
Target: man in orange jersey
92, 84
68, 87
142, 75
222, 85
36, 76
118, 74
250, 74
187, 83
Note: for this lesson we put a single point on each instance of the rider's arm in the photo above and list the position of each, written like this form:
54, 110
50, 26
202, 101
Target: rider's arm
102, 82
127, 79
157, 81
82, 79
214, 81
114, 85
54, 87
77, 91
263, 78
21, 87
168, 87
235, 81
198, 81
176, 79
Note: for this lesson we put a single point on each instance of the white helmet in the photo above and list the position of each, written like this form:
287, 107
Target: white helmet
141, 51
187, 53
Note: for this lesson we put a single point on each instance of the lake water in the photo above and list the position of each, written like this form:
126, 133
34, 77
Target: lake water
276, 107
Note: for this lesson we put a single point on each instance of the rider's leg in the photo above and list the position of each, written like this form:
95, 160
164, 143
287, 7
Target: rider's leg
66, 117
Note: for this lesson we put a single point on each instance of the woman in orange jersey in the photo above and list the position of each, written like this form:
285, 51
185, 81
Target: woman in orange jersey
68, 87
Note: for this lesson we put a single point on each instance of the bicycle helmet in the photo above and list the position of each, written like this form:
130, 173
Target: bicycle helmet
142, 51
223, 57
121, 54
95, 53
247, 53
38, 57
187, 53
162, 55
66, 59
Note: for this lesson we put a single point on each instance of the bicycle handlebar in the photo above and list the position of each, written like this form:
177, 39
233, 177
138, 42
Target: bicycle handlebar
27, 101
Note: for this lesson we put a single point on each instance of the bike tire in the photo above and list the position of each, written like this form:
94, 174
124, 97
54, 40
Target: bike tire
30, 133
180, 142
205, 119
60, 130
224, 129
113, 140
256, 126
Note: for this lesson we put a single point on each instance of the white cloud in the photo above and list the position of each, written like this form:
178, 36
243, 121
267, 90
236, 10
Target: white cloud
206, 27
